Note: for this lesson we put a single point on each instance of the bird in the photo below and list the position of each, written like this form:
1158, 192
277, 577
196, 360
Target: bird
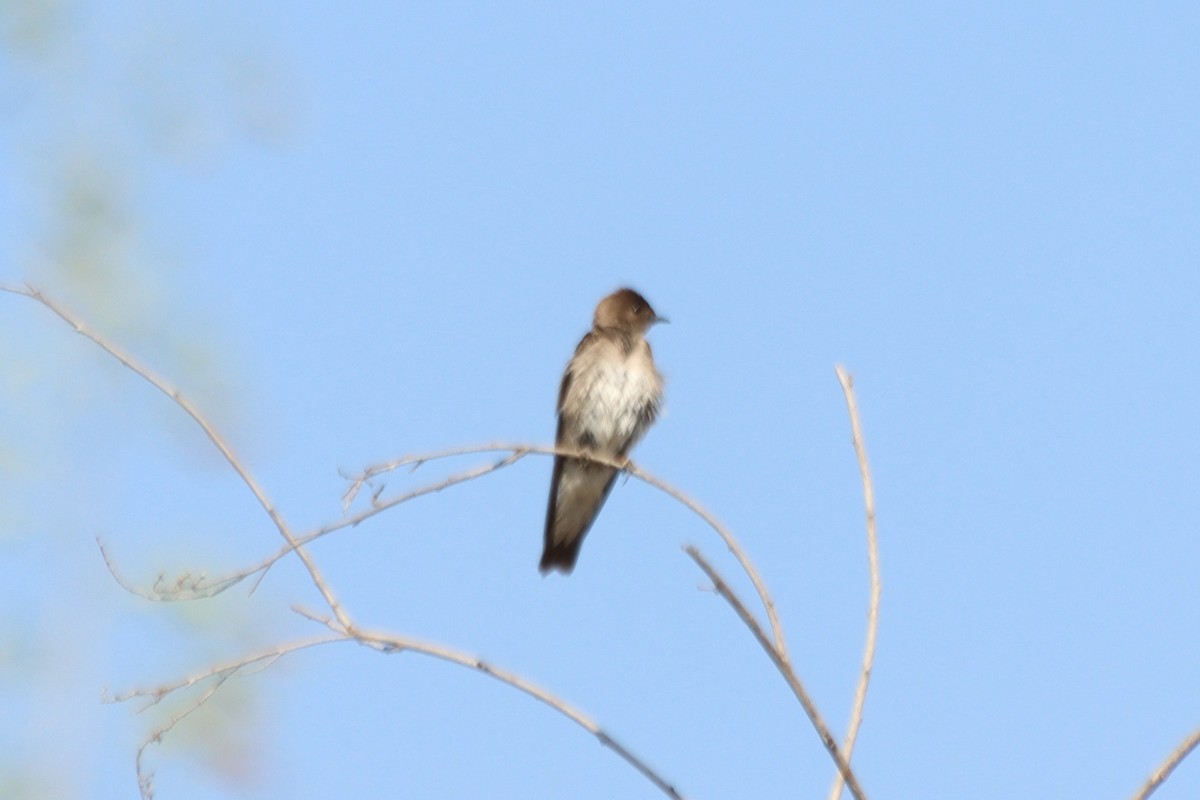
611, 392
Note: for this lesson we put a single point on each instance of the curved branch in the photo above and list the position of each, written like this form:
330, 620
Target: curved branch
383, 642
397, 643
416, 460
868, 660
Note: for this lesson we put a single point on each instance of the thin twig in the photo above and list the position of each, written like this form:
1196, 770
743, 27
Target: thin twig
201, 588
185, 587
1167, 767
210, 432
357, 482
785, 669
156, 694
218, 675
868, 660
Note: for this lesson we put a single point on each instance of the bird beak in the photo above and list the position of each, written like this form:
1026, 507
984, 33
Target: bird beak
658, 319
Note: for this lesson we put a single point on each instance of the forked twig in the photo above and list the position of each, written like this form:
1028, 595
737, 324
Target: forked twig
226, 670
218, 676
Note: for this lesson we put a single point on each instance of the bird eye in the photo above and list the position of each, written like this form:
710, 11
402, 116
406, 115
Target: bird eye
637, 309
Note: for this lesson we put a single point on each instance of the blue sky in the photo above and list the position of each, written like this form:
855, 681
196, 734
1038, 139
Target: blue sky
353, 236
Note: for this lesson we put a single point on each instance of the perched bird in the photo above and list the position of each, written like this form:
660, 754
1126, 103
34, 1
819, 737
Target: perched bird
610, 394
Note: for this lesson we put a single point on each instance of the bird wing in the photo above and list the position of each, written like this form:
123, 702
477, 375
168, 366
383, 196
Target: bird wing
582, 486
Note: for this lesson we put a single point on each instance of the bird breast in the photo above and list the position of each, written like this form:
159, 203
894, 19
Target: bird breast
613, 396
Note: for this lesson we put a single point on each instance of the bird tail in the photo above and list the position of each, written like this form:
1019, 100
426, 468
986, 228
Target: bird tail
560, 557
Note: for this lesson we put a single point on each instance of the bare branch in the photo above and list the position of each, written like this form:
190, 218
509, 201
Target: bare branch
209, 429
785, 669
1167, 767
202, 588
868, 660
357, 482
